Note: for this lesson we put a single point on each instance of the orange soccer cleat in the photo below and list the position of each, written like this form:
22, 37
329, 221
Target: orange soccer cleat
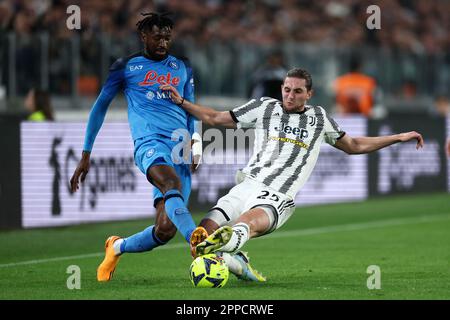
106, 269
197, 236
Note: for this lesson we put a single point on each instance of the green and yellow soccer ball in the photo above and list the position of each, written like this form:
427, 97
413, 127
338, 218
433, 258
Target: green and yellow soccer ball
209, 271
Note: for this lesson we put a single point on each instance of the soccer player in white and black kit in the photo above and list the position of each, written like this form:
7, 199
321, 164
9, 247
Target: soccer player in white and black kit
288, 136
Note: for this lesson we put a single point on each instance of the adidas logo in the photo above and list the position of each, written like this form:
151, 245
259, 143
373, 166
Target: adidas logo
277, 114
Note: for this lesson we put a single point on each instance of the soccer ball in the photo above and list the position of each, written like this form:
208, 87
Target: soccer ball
209, 271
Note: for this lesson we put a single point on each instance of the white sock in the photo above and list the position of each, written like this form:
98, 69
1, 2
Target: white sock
116, 246
233, 265
239, 237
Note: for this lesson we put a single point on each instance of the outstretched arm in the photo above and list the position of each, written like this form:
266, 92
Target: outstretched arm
362, 145
96, 118
194, 125
205, 114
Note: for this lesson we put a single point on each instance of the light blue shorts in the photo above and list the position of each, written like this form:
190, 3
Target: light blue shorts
151, 151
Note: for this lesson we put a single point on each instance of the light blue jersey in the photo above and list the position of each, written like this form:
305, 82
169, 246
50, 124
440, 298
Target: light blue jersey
152, 116
150, 111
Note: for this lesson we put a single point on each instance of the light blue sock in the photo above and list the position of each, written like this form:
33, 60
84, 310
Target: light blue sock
178, 213
142, 241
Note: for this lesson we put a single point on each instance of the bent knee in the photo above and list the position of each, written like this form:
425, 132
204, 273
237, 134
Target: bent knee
170, 184
165, 231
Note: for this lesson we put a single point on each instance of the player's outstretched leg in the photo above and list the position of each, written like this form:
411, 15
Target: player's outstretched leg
239, 265
115, 246
106, 269
146, 240
215, 241
229, 239
225, 239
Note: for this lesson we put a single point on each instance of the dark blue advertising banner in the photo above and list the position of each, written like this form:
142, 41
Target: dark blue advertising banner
403, 169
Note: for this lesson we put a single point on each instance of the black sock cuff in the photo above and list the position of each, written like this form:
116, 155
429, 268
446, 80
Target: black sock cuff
171, 194
156, 238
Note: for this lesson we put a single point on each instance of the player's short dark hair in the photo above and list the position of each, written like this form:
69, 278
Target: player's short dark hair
161, 20
301, 74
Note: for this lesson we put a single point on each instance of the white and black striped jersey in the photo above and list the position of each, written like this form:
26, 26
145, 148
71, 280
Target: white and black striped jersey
286, 144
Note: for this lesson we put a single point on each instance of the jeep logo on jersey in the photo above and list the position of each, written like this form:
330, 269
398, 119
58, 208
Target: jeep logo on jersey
301, 133
152, 77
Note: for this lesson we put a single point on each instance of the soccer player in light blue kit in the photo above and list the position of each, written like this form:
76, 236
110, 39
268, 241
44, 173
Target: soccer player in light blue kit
154, 119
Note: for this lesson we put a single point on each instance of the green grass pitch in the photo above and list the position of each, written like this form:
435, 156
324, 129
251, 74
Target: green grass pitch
322, 252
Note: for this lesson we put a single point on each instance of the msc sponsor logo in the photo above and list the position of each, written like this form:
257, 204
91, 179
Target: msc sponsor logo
150, 95
158, 95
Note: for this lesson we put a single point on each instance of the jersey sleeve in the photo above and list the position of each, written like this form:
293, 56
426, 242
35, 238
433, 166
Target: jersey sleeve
189, 86
246, 115
332, 130
113, 84
189, 94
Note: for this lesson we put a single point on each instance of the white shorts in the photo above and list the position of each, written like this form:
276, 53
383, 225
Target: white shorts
250, 194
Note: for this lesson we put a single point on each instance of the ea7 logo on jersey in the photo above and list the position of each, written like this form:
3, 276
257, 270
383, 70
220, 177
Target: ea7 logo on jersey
132, 68
301, 133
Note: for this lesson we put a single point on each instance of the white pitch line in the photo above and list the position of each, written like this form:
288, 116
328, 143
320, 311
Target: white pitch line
359, 226
280, 234
81, 256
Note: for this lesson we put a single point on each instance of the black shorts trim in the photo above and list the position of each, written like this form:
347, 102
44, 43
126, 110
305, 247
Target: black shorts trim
221, 211
342, 134
233, 116
274, 212
157, 200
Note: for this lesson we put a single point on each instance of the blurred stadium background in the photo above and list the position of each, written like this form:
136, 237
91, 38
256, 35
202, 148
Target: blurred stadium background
238, 49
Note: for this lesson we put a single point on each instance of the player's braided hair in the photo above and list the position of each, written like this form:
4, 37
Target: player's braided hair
161, 20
